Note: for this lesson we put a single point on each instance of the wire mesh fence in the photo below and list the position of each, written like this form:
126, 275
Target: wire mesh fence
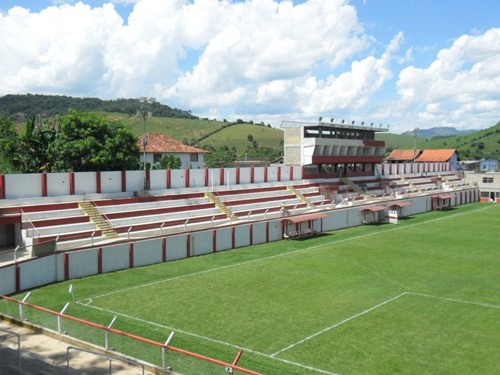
159, 355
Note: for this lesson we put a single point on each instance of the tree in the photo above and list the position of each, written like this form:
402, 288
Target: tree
170, 161
89, 142
221, 157
8, 145
27, 152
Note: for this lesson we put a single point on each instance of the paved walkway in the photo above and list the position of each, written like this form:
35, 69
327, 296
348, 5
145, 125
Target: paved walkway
42, 354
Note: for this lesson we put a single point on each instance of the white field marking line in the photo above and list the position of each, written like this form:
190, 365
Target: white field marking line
338, 324
283, 254
455, 300
208, 339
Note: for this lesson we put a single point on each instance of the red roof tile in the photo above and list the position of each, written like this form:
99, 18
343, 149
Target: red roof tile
162, 143
436, 155
402, 155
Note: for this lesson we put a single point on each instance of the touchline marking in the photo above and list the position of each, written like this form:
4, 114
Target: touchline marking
283, 254
338, 324
454, 300
324, 372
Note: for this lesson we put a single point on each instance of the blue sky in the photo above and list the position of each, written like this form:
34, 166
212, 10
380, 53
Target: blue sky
407, 63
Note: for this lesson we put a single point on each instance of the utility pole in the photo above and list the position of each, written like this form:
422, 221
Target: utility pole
143, 112
415, 144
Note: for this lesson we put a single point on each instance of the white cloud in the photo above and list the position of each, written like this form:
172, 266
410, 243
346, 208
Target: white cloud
352, 89
462, 82
265, 60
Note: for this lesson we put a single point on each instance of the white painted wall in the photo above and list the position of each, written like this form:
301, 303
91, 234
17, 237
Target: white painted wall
58, 184
8, 280
37, 272
176, 247
115, 257
224, 239
85, 183
82, 263
202, 242
147, 252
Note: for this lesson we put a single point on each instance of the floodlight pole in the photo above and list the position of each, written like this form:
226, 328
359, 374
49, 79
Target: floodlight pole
415, 144
144, 113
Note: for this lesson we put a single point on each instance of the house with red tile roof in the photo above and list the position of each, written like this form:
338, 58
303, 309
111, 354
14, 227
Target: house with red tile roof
425, 156
159, 144
403, 156
433, 156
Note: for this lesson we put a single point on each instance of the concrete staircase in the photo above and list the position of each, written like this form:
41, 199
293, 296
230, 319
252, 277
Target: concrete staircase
220, 204
353, 186
298, 194
99, 219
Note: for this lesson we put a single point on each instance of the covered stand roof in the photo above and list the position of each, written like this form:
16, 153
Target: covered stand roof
443, 196
306, 217
400, 204
374, 208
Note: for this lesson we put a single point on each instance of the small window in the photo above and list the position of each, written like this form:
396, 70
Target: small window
193, 157
488, 180
156, 158
485, 194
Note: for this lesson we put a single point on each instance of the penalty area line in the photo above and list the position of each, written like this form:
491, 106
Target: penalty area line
338, 324
454, 300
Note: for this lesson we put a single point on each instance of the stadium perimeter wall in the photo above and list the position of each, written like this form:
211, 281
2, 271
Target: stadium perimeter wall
80, 263
16, 186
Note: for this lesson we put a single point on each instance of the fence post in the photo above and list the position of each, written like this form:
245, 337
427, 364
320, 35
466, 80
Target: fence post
164, 351
106, 333
59, 317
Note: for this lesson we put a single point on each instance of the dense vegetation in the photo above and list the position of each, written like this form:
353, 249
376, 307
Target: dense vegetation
74, 142
22, 107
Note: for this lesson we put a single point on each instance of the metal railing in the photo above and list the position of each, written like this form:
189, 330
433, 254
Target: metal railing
161, 356
110, 358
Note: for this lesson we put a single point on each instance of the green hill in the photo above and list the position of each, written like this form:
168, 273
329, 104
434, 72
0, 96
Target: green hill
246, 138
483, 144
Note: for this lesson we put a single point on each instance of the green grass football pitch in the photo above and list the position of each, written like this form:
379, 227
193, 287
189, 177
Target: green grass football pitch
419, 297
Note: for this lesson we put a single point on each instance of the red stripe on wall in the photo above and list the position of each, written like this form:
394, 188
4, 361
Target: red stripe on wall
252, 174
267, 231
98, 182
251, 234
99, 260
207, 181
188, 245
72, 183
214, 241
164, 248
2, 186
233, 238
291, 173
187, 178
222, 176
169, 178
66, 266
148, 178
124, 180
279, 173
44, 185
131, 254
265, 174
18, 279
